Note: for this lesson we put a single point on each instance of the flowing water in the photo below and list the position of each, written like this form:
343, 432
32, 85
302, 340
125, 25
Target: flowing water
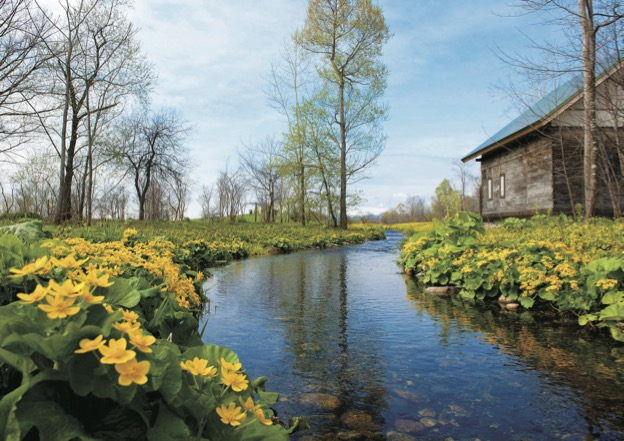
354, 346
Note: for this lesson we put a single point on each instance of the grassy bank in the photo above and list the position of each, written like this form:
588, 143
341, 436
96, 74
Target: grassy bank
548, 263
100, 338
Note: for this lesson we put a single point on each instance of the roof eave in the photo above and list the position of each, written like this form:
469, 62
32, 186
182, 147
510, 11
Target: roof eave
511, 138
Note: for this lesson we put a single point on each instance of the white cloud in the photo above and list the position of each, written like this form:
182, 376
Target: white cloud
211, 57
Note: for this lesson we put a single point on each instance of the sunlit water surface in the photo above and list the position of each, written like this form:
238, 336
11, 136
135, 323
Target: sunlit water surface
345, 323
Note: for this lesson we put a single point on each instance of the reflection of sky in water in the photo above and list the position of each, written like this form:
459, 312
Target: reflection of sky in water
339, 321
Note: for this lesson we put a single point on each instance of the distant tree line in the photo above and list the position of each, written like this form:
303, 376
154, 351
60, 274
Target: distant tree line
449, 198
81, 140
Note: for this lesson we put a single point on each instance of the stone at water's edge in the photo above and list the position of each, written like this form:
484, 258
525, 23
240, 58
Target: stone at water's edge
512, 306
323, 401
438, 290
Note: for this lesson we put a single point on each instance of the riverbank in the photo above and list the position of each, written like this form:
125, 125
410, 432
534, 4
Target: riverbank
547, 263
99, 328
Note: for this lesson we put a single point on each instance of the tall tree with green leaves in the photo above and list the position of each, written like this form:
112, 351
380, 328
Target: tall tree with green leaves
348, 35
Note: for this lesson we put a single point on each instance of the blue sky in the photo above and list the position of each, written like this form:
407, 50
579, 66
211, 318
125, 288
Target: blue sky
212, 58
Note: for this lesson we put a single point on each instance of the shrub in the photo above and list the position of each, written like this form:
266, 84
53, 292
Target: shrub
104, 343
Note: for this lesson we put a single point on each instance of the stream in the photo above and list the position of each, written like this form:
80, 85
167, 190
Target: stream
360, 350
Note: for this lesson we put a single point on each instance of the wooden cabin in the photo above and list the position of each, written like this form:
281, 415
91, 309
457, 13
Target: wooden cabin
535, 163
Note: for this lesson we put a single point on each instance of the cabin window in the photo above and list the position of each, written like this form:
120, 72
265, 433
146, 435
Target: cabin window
489, 189
502, 186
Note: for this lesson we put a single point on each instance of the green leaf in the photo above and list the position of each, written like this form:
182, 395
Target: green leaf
584, 319
212, 353
546, 295
9, 426
121, 293
612, 297
20, 362
53, 423
612, 312
165, 372
527, 302
267, 397
87, 374
168, 427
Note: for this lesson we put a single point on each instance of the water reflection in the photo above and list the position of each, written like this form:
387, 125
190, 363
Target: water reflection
352, 344
590, 365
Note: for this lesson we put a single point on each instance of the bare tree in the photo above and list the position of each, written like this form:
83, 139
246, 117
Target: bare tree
151, 145
96, 62
582, 22
261, 163
179, 196
22, 31
204, 199
466, 180
231, 189
33, 184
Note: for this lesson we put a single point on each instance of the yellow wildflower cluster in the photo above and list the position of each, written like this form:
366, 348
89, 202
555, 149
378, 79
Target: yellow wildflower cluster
116, 259
59, 301
233, 415
116, 351
607, 283
232, 377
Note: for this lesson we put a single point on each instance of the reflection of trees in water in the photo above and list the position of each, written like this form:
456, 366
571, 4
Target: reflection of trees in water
585, 364
313, 300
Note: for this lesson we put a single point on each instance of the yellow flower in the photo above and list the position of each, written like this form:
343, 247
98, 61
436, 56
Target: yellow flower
108, 308
67, 289
88, 297
230, 366
116, 352
248, 404
607, 283
261, 418
140, 341
67, 262
88, 345
32, 268
130, 316
59, 307
199, 366
238, 382
132, 371
38, 294
126, 327
231, 414
92, 279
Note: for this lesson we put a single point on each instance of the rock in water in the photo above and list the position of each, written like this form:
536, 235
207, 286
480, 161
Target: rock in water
409, 426
356, 419
398, 436
428, 422
323, 401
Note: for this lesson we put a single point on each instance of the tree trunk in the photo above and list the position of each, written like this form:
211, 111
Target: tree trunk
302, 193
589, 102
343, 159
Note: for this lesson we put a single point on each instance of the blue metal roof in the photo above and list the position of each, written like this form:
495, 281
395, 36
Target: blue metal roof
540, 111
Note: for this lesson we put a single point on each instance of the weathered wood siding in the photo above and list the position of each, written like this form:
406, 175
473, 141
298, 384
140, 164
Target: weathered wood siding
568, 188
527, 167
